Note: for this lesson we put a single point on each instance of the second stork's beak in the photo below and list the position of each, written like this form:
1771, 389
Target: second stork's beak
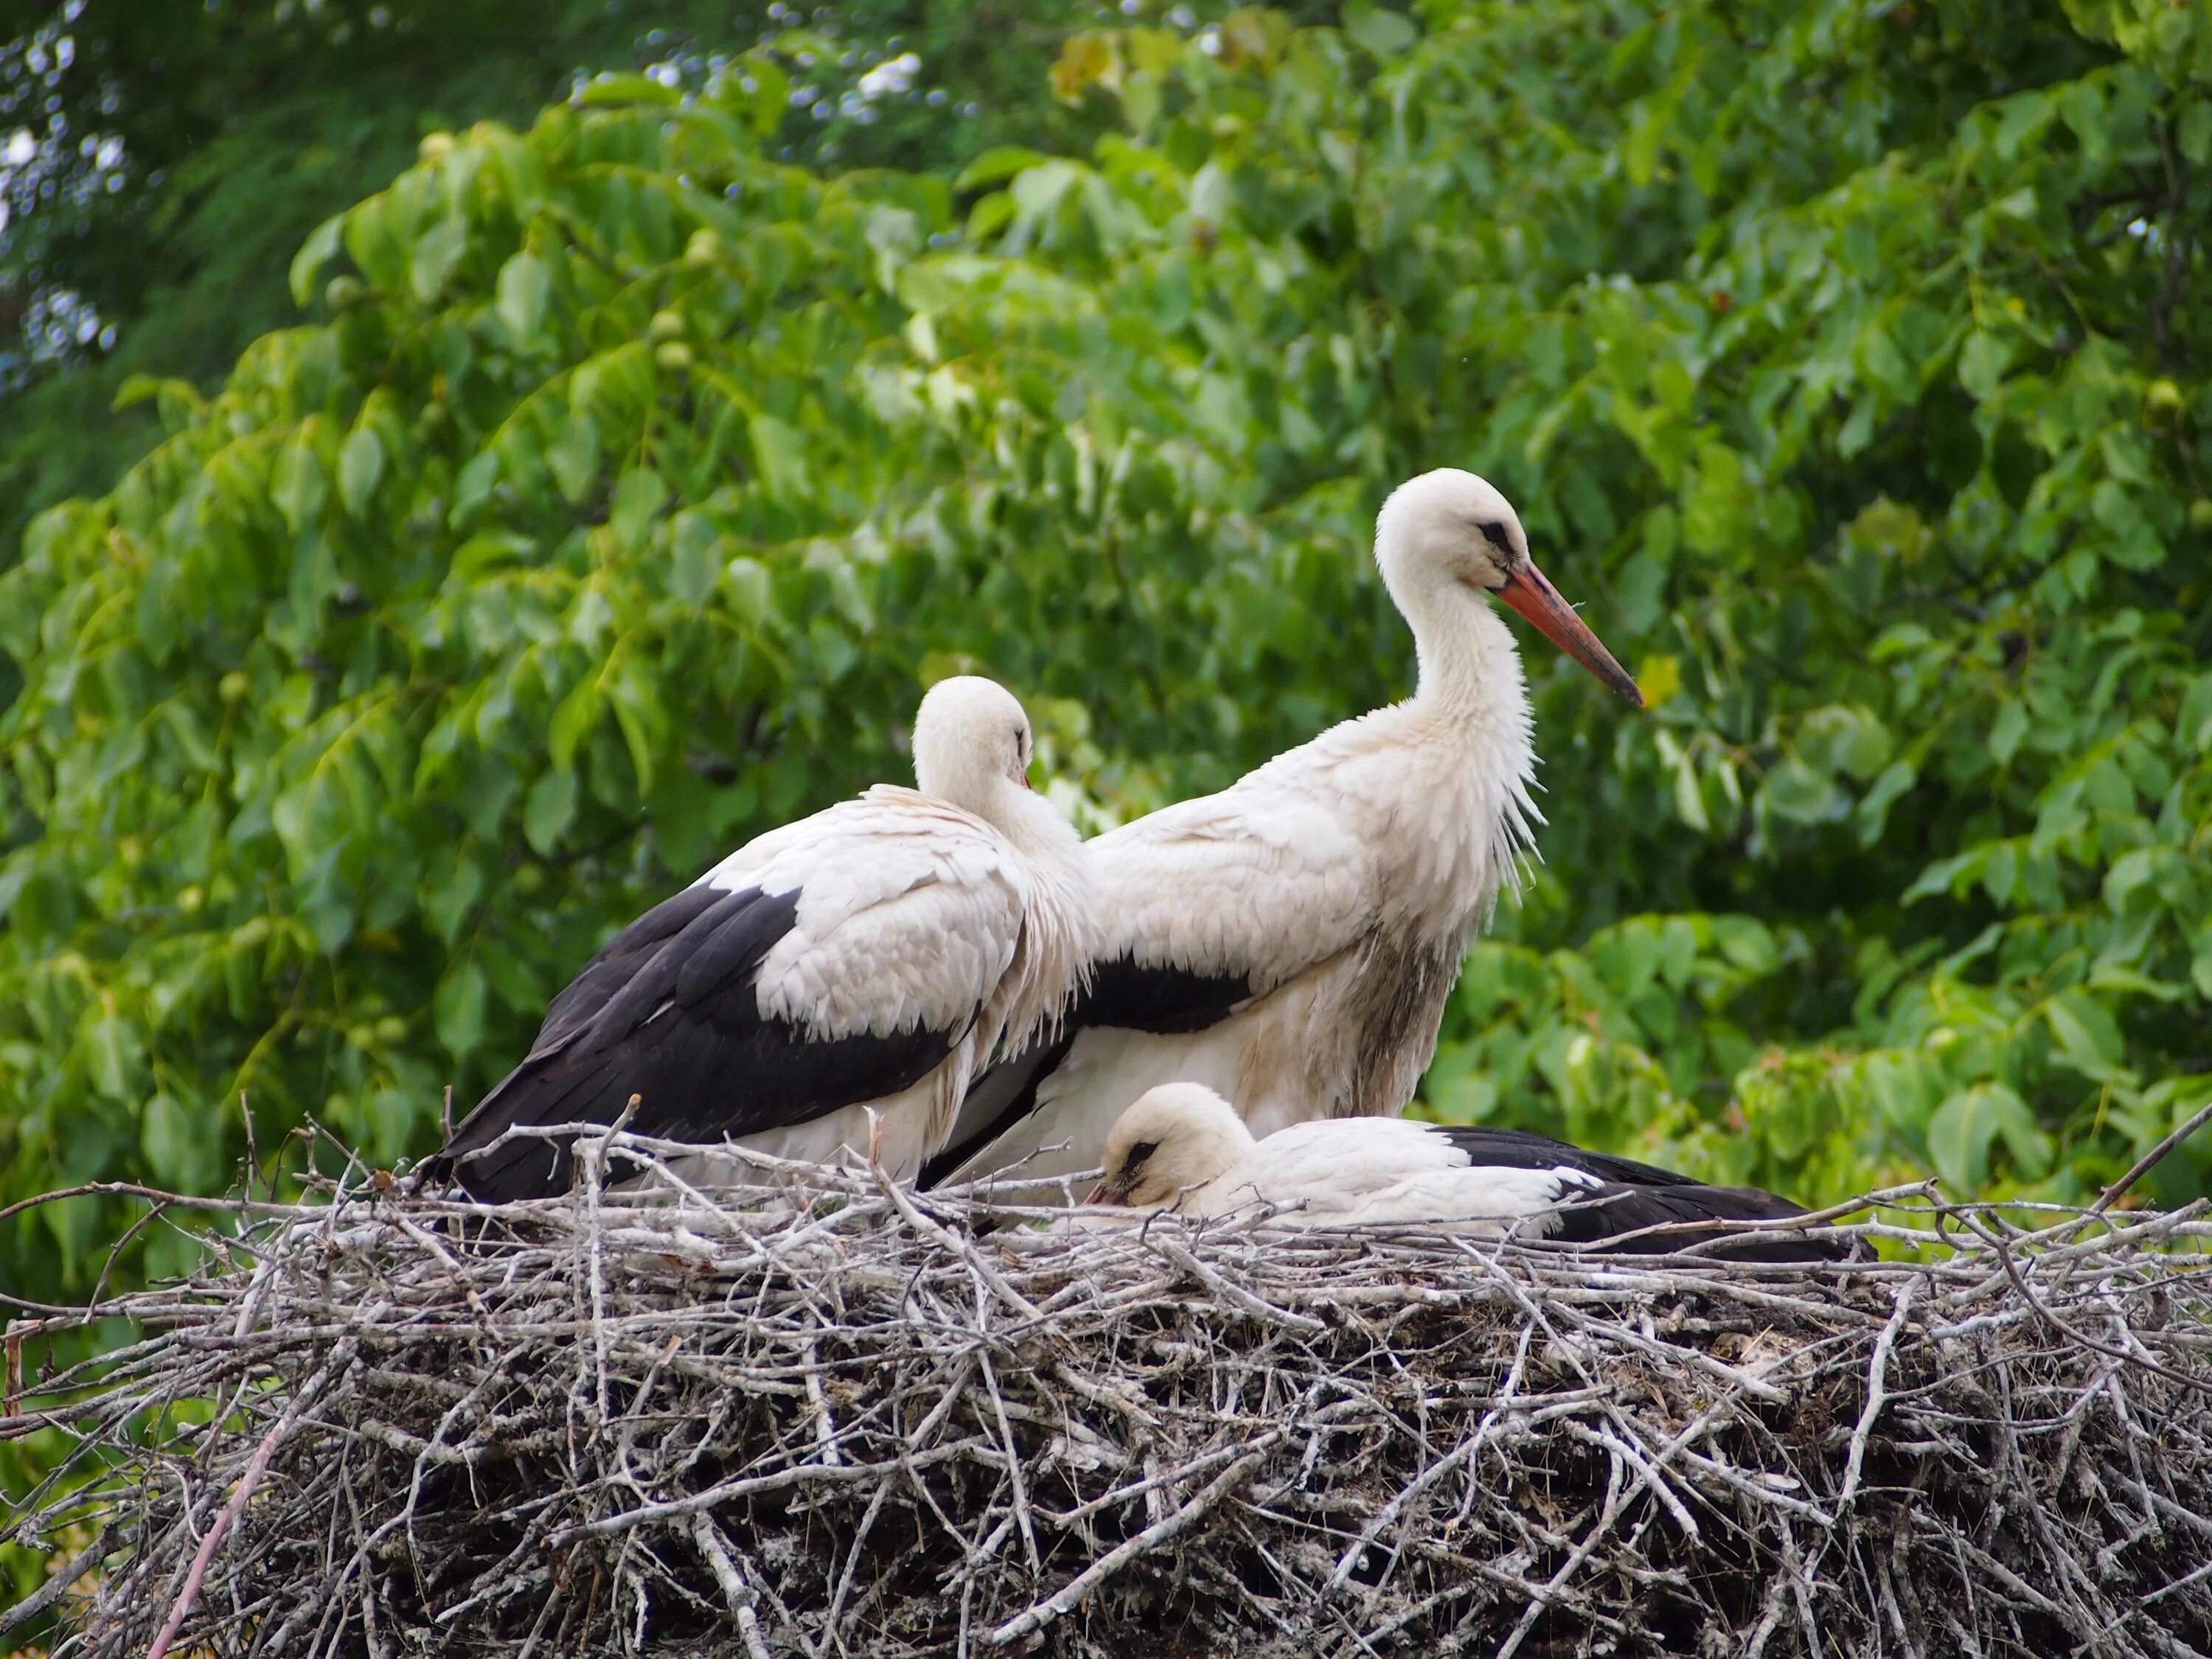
1113, 1189
1530, 592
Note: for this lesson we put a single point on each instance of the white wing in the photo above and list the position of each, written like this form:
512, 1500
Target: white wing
910, 912
1261, 880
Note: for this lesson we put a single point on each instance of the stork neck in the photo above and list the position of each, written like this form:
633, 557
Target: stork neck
1027, 819
1468, 665
1047, 840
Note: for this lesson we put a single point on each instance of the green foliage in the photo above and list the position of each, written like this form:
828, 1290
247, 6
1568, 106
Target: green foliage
631, 481
184, 151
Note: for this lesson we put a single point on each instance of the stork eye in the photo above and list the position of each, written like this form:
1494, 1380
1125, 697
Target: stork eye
1493, 531
1138, 1153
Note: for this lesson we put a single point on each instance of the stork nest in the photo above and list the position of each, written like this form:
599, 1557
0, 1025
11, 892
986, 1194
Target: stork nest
825, 1416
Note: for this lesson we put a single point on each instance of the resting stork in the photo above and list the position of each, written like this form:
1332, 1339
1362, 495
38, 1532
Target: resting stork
867, 958
1290, 942
1182, 1147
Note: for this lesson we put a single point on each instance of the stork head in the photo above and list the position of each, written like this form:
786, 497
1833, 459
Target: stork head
1176, 1136
971, 740
1448, 529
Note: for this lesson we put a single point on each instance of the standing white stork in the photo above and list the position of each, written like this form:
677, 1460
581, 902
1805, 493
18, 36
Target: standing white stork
1290, 941
869, 956
1182, 1147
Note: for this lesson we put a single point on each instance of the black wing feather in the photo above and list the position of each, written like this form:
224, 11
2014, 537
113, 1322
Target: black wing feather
1517, 1149
1151, 997
618, 959
669, 1013
1634, 1196
1606, 1216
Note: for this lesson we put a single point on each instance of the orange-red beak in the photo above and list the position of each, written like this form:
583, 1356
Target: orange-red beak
1530, 592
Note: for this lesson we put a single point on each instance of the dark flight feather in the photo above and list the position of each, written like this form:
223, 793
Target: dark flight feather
670, 1012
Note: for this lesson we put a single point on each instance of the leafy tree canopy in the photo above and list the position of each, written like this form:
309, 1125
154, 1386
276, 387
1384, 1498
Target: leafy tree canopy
160, 164
630, 480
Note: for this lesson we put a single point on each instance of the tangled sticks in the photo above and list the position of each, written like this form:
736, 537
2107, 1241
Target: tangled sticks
823, 1416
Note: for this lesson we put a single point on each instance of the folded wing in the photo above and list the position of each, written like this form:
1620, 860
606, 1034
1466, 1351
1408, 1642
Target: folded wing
832, 963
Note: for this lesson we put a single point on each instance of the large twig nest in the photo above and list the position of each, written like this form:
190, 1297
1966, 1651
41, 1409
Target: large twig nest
824, 1418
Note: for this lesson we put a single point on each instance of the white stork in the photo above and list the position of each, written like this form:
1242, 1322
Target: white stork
1182, 1147
1290, 941
869, 956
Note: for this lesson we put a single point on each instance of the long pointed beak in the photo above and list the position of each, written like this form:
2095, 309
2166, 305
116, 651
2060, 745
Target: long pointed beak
1529, 591
1103, 1193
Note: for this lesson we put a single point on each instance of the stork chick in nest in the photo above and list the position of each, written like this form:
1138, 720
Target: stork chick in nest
1182, 1148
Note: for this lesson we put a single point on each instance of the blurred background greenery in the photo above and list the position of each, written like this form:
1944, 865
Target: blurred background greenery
462, 466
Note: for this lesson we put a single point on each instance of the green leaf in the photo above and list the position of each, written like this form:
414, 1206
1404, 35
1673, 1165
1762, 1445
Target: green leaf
1746, 942
573, 459
519, 987
361, 468
2193, 133
2000, 870
696, 561
2023, 121
116, 1056
549, 809
1795, 791
1678, 951
1873, 810
1387, 34
2108, 977
473, 485
779, 456
573, 721
640, 713
1967, 1125
1944, 874
1983, 359
299, 485
1850, 741
748, 591
436, 252
12, 880
610, 88
2006, 731
457, 1009
997, 165
171, 1139
1884, 365
638, 498
1689, 800
320, 247
448, 905
2088, 1037
525, 285
2193, 725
